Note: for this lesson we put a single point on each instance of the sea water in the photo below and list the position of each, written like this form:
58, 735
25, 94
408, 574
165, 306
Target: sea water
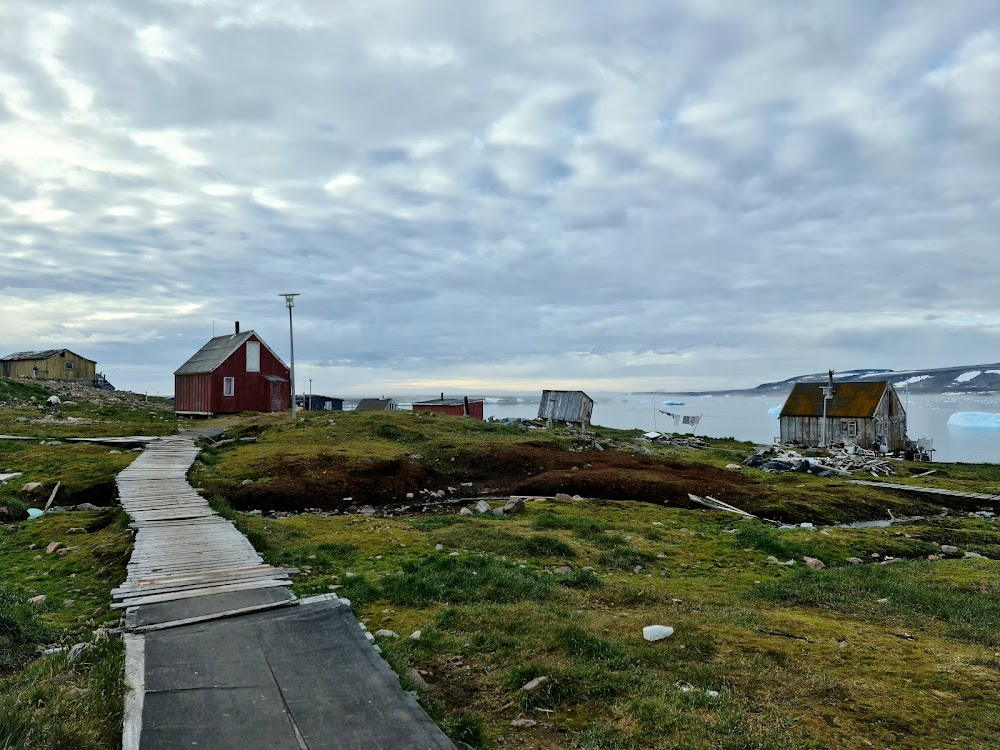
755, 418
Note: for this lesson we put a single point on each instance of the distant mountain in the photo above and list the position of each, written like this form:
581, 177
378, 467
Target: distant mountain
973, 379
970, 379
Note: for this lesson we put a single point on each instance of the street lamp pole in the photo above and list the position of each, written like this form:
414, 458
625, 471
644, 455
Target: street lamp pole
290, 303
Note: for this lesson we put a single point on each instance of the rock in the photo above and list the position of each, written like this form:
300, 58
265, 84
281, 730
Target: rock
440, 493
409, 495
482, 507
69, 603
772, 560
934, 558
534, 686
38, 600
417, 679
415, 635
813, 563
524, 723
438, 546
883, 601
657, 632
855, 560
100, 635
53, 401
806, 525
76, 530
31, 486
245, 482
734, 467
52, 547
562, 496
638, 569
514, 505
366, 510
386, 634
453, 554
465, 512
975, 555
69, 403
949, 549
876, 556
63, 551
563, 570
87, 506
498, 512
77, 651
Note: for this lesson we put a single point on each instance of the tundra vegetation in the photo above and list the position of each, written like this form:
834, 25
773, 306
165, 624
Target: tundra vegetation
763, 655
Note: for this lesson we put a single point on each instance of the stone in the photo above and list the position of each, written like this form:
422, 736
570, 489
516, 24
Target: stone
415, 635
772, 560
657, 632
734, 467
72, 403
53, 400
115, 452
482, 507
949, 549
63, 551
855, 560
453, 554
87, 506
562, 496
975, 555
386, 634
439, 546
77, 651
245, 482
76, 530
813, 563
38, 600
638, 569
524, 723
934, 558
465, 512
440, 493
806, 525
69, 603
514, 505
366, 510
417, 679
534, 686
52, 547
409, 495
31, 486
563, 570
498, 512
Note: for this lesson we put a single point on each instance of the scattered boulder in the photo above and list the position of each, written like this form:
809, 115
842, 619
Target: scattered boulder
498, 512
415, 635
63, 551
855, 560
563, 570
465, 512
524, 723
87, 506
562, 496
657, 632
366, 510
976, 555
949, 549
417, 679
53, 401
76, 530
482, 507
386, 634
31, 486
534, 686
77, 651
39, 600
52, 547
514, 505
813, 563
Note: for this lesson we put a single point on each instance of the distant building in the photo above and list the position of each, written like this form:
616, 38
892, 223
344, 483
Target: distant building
233, 373
455, 407
49, 364
865, 414
376, 404
320, 403
566, 406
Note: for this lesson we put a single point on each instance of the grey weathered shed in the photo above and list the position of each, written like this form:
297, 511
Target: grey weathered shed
376, 404
566, 406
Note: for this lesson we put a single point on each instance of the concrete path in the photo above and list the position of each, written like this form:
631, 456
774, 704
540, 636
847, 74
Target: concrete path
219, 652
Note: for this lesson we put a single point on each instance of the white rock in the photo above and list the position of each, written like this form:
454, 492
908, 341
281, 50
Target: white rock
657, 632
415, 635
949, 549
482, 507
465, 512
438, 546
806, 525
386, 634
524, 723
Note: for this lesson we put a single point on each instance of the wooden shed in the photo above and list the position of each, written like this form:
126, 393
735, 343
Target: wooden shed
376, 404
566, 406
49, 364
455, 407
866, 414
230, 374
315, 402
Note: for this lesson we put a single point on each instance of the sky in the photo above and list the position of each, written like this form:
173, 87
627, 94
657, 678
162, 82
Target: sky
503, 195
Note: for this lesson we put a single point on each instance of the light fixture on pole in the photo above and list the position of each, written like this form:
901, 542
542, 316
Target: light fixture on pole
290, 303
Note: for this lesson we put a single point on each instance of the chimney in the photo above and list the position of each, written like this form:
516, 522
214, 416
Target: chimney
442, 395
831, 382
237, 326
466, 402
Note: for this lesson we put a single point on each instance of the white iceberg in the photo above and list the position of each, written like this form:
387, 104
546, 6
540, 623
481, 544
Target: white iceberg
775, 410
975, 420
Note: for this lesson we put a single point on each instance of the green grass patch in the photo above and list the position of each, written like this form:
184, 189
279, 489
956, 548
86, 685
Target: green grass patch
21, 630
623, 557
772, 542
483, 536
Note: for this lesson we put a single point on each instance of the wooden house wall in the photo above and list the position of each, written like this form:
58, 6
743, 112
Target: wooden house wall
453, 410
566, 406
252, 391
52, 368
888, 421
193, 394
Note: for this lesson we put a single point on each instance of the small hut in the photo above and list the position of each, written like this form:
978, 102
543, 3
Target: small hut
49, 364
376, 404
566, 406
455, 407
866, 414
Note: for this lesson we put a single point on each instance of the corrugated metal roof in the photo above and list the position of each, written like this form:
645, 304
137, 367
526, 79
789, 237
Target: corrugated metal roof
850, 400
41, 354
217, 351
374, 404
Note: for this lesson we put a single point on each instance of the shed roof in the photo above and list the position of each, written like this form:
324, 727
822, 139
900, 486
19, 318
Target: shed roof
447, 402
40, 354
373, 404
850, 400
217, 351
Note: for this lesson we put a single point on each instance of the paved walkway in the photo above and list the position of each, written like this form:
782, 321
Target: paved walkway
220, 653
928, 490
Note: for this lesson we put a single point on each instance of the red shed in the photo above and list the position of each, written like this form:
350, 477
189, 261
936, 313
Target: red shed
456, 407
230, 374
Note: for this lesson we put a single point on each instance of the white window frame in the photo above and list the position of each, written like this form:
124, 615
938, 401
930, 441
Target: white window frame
253, 363
852, 428
229, 386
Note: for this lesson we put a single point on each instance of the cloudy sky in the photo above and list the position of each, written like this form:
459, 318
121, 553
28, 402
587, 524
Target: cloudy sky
505, 194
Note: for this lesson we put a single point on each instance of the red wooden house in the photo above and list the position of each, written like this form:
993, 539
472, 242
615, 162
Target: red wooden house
456, 407
230, 374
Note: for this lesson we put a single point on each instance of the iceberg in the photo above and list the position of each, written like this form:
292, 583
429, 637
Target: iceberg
975, 420
774, 410
673, 403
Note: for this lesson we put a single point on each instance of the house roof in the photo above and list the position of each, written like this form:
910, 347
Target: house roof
40, 354
217, 351
373, 404
447, 402
850, 400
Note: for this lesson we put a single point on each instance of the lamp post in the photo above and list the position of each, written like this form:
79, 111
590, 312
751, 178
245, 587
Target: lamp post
290, 303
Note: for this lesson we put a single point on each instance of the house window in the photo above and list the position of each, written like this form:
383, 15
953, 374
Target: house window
69, 365
852, 428
229, 386
253, 356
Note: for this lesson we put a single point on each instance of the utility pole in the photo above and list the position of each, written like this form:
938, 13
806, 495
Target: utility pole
827, 395
290, 303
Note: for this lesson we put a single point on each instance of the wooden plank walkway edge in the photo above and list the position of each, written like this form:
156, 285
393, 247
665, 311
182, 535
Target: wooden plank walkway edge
927, 490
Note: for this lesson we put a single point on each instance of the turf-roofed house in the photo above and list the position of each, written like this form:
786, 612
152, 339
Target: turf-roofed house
868, 415
234, 373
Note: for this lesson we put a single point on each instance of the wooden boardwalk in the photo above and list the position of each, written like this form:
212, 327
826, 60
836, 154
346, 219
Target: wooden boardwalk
184, 549
928, 490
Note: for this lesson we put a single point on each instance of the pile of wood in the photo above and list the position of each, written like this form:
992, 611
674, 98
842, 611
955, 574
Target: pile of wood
678, 441
837, 461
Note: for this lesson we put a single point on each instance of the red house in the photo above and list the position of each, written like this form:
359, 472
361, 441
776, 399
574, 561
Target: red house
230, 374
456, 407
